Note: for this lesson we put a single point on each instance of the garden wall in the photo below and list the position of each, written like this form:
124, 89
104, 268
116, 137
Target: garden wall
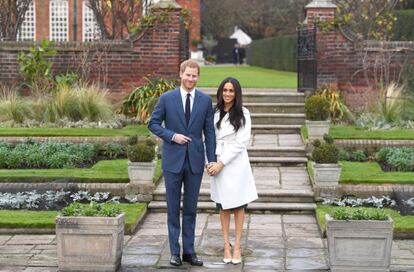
118, 65
355, 66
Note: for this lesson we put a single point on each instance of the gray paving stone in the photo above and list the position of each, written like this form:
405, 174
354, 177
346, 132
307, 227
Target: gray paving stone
305, 252
129, 260
306, 263
274, 263
41, 269
12, 268
16, 249
31, 239
303, 242
4, 239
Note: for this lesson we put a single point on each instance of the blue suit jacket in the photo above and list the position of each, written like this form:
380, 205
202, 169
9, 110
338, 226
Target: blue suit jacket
170, 110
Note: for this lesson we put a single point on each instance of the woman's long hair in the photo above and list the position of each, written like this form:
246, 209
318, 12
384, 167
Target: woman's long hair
236, 115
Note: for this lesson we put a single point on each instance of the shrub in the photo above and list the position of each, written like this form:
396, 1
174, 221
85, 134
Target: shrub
142, 100
142, 151
359, 214
114, 151
359, 156
13, 106
338, 110
396, 159
317, 108
93, 209
132, 140
343, 155
325, 152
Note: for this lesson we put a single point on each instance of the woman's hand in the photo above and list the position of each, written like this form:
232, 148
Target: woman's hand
214, 168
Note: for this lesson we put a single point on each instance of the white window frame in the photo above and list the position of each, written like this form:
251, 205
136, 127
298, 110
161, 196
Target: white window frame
90, 29
27, 32
62, 21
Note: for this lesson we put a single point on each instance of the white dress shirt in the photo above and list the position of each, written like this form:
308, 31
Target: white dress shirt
184, 98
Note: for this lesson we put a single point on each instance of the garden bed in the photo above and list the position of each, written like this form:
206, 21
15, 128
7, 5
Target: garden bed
106, 171
130, 130
22, 221
352, 132
403, 225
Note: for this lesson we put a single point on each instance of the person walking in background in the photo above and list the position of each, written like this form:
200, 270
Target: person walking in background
233, 185
187, 114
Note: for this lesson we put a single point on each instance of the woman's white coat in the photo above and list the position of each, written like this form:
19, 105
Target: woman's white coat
234, 186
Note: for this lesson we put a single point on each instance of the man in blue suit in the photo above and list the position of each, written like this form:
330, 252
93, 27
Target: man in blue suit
187, 114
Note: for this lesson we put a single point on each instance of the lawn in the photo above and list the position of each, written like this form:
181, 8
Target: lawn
98, 132
46, 219
352, 132
371, 172
111, 171
402, 224
249, 77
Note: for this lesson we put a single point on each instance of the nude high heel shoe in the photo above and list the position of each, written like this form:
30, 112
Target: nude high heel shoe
238, 259
227, 247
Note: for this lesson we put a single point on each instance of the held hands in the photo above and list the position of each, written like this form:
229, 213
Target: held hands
181, 139
214, 168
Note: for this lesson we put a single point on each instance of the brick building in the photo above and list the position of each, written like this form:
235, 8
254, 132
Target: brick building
73, 20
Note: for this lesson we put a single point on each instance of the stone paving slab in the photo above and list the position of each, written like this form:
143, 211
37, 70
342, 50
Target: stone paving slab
271, 242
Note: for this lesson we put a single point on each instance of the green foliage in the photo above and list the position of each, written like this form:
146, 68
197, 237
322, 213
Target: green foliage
132, 140
35, 68
68, 79
337, 109
343, 155
404, 26
359, 155
399, 159
277, 53
317, 108
114, 151
93, 209
141, 101
345, 213
325, 152
32, 154
143, 151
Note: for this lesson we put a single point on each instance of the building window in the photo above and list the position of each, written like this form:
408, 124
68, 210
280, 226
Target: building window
59, 25
90, 30
146, 5
27, 31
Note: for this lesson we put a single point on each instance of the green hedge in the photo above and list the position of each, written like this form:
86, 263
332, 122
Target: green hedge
277, 53
404, 26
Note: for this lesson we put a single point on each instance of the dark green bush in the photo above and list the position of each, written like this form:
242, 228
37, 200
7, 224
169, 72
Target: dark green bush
343, 155
359, 156
325, 152
398, 159
114, 151
404, 26
132, 140
142, 151
317, 108
93, 209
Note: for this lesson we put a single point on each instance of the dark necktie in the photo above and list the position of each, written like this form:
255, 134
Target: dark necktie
187, 109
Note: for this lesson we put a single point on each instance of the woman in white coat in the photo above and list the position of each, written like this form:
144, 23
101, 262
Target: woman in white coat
233, 186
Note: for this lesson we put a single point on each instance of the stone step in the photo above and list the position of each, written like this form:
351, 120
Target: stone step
275, 129
265, 95
288, 151
255, 207
278, 118
278, 161
275, 107
278, 196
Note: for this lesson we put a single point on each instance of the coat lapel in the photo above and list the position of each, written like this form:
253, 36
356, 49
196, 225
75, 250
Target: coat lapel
180, 108
196, 106
225, 127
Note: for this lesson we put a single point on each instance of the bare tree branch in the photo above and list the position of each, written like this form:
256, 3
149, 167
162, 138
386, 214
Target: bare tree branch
12, 13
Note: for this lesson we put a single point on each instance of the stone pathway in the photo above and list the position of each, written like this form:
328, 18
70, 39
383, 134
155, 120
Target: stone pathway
272, 242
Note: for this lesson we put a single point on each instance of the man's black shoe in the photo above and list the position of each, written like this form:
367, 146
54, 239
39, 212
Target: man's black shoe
192, 259
175, 260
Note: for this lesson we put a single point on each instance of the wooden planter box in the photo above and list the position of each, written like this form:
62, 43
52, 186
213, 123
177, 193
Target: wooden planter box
141, 172
359, 245
89, 243
326, 174
316, 129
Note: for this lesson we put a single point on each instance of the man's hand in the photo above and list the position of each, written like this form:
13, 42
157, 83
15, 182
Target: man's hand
181, 139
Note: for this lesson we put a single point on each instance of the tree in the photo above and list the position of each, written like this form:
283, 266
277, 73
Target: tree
371, 19
259, 18
124, 19
12, 13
